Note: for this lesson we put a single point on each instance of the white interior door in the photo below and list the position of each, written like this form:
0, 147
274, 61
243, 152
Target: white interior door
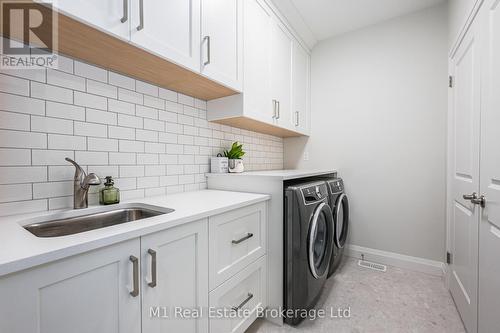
466, 103
222, 41
170, 29
489, 235
256, 71
179, 280
281, 73
105, 15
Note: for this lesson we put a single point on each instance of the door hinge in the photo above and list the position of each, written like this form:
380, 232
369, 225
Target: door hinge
450, 81
448, 258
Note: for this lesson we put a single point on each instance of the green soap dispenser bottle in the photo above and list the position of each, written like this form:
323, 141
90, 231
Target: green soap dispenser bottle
109, 194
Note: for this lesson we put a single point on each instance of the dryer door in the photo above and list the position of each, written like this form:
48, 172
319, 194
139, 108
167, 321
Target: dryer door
341, 220
320, 240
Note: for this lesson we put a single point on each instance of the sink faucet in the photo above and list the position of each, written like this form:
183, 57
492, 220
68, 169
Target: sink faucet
82, 183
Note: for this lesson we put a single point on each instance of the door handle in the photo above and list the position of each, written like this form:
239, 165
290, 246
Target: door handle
152, 253
470, 197
249, 297
125, 12
296, 118
481, 201
274, 108
135, 274
279, 111
141, 15
249, 235
207, 38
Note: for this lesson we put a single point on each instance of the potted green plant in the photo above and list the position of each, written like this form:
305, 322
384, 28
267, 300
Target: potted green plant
234, 155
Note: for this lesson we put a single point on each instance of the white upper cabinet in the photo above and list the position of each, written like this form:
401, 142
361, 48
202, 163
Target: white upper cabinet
170, 29
281, 73
257, 41
111, 16
301, 89
222, 41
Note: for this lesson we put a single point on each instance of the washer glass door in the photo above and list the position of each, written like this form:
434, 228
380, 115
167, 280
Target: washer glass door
341, 220
320, 240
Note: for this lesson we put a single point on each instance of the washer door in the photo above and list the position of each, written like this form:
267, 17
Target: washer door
320, 242
341, 220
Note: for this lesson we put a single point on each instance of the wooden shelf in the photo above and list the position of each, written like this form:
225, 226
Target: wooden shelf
83, 42
257, 126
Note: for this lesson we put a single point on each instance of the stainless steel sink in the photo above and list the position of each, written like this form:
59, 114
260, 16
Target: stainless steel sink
101, 219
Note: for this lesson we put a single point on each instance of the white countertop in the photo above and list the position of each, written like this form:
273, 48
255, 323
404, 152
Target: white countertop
19, 249
279, 174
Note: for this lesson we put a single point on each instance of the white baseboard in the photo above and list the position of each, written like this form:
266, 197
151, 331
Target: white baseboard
397, 260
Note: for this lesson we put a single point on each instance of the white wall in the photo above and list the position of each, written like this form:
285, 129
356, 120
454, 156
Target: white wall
379, 101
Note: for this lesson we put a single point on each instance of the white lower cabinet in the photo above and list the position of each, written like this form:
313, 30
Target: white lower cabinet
90, 292
153, 284
240, 298
175, 279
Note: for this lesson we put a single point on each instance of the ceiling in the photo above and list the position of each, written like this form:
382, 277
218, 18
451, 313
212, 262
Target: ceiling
328, 18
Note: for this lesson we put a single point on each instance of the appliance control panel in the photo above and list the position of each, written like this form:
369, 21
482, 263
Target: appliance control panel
314, 192
336, 185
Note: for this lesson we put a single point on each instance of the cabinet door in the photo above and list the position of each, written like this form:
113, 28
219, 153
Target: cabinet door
105, 15
170, 29
281, 73
85, 293
257, 41
181, 279
222, 41
301, 89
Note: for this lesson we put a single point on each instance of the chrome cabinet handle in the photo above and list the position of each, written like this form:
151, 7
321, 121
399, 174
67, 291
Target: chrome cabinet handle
152, 253
296, 118
279, 111
274, 108
470, 196
249, 235
125, 12
481, 201
141, 15
135, 263
236, 308
207, 38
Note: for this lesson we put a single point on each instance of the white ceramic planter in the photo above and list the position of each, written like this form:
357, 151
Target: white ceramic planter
236, 166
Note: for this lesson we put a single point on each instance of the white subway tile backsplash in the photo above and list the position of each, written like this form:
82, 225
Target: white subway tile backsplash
15, 157
65, 80
17, 139
66, 111
169, 95
146, 88
91, 72
121, 81
21, 104
14, 85
121, 107
67, 142
91, 101
51, 157
90, 129
14, 121
150, 139
51, 93
102, 117
101, 89
19, 175
51, 125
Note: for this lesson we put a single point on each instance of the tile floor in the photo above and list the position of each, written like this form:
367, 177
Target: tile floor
396, 301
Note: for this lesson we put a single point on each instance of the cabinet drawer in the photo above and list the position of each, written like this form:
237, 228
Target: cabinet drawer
246, 291
237, 238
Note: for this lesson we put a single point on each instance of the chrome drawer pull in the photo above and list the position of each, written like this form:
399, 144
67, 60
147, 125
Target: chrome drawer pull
249, 235
152, 253
125, 12
135, 263
236, 308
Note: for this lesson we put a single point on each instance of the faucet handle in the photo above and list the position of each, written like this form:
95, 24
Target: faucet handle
92, 179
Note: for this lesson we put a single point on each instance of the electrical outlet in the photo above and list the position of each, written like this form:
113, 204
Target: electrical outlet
306, 156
